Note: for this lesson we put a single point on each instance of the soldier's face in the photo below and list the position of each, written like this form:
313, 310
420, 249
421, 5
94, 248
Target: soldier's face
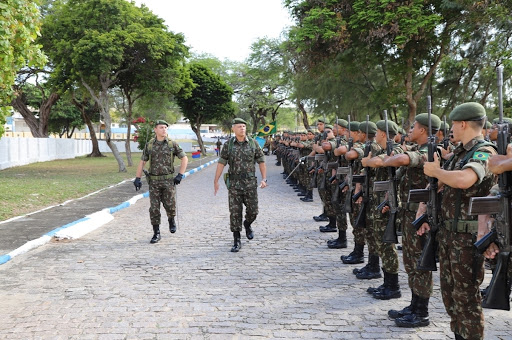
416, 131
493, 132
320, 126
161, 130
239, 130
311, 135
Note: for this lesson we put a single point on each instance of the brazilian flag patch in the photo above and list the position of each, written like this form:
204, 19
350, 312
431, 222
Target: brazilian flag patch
481, 156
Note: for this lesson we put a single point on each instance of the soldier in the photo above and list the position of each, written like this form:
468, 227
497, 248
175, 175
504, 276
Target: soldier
390, 289
240, 153
320, 124
420, 281
367, 131
160, 152
464, 176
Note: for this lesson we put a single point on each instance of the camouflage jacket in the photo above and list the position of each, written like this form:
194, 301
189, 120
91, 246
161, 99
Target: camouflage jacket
241, 160
479, 164
161, 156
413, 176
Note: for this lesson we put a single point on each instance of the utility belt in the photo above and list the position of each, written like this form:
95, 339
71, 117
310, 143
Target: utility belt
244, 175
159, 177
462, 226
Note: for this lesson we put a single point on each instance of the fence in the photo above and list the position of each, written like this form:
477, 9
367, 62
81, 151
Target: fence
16, 151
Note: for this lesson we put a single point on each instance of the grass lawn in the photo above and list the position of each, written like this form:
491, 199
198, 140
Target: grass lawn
28, 188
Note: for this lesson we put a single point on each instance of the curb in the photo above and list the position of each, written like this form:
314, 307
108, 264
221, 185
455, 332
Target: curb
85, 225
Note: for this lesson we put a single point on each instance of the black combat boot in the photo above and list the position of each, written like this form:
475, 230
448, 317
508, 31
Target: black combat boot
340, 242
356, 256
395, 314
371, 270
248, 230
308, 197
238, 242
391, 289
459, 337
419, 317
172, 225
156, 235
331, 227
321, 218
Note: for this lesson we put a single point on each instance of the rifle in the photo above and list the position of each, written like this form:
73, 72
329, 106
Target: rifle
498, 293
446, 138
360, 221
427, 260
390, 186
350, 175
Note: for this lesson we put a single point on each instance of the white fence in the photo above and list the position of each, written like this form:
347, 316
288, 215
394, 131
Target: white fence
16, 151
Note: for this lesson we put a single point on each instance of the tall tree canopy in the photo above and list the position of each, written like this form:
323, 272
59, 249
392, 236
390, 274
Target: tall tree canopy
210, 100
98, 44
19, 28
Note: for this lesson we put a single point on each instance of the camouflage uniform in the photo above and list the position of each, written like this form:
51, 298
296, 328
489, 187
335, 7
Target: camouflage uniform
242, 176
161, 184
420, 281
337, 196
325, 188
387, 251
461, 267
357, 232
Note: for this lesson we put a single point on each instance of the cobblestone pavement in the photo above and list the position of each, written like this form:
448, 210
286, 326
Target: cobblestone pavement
285, 283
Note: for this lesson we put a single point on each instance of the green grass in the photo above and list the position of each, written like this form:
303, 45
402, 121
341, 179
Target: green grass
35, 186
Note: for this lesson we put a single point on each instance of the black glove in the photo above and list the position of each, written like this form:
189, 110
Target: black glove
137, 183
178, 178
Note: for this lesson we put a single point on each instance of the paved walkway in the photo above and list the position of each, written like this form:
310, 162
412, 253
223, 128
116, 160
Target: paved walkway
285, 283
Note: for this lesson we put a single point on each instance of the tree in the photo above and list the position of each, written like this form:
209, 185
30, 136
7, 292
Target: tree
65, 118
19, 28
95, 43
90, 113
210, 100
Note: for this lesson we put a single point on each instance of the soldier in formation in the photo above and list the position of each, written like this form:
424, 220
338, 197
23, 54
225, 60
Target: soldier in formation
464, 165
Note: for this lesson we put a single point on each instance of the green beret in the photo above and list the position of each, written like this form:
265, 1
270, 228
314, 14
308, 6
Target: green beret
392, 127
442, 127
341, 122
161, 122
488, 125
328, 126
401, 131
354, 126
422, 118
505, 120
468, 111
311, 130
320, 120
238, 121
372, 128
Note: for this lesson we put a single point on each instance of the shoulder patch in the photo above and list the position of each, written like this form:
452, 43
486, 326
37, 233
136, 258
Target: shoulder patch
481, 156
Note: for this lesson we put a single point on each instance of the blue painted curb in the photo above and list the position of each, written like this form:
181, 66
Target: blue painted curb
47, 237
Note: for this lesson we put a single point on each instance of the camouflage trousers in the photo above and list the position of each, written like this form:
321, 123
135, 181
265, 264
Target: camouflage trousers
326, 195
358, 232
386, 251
420, 281
461, 273
161, 191
237, 199
369, 232
339, 207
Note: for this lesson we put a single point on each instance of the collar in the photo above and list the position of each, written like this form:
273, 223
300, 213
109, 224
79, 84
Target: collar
245, 140
468, 146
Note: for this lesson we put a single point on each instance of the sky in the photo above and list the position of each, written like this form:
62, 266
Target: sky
223, 28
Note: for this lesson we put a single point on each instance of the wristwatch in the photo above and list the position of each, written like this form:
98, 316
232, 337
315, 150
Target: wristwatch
264, 180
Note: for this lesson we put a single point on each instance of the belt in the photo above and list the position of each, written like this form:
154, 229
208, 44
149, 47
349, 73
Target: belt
160, 177
462, 226
242, 175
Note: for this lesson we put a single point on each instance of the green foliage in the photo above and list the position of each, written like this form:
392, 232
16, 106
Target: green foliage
210, 99
19, 27
65, 118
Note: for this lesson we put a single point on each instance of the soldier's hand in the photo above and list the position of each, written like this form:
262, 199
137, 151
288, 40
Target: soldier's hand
215, 187
178, 178
491, 251
137, 183
385, 209
359, 200
425, 228
430, 168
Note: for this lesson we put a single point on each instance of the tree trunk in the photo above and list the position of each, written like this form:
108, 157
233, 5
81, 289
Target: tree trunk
103, 102
305, 120
197, 130
38, 127
128, 133
95, 146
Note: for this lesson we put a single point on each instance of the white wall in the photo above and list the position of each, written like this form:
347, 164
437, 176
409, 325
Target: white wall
16, 151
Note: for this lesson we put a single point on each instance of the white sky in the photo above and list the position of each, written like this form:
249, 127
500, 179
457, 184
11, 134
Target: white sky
223, 28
